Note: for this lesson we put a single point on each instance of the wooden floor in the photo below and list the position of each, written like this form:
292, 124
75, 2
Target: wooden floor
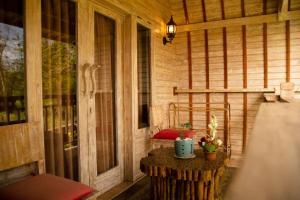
141, 190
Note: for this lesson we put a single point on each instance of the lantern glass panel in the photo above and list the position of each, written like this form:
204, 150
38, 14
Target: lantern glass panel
171, 29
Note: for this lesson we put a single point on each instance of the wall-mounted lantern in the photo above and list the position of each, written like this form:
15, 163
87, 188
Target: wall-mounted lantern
171, 31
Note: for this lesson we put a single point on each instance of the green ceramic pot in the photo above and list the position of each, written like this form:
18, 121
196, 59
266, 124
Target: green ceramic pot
184, 148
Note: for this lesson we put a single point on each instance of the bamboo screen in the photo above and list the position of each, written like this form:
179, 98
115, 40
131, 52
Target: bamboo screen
143, 65
12, 68
105, 93
59, 87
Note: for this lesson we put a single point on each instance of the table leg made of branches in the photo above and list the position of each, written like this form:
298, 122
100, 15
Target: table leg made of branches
172, 178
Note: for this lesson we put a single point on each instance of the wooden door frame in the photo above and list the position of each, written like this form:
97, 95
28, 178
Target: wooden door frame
87, 121
131, 93
34, 85
145, 131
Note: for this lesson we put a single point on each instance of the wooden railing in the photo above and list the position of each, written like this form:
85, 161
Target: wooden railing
59, 113
60, 116
12, 110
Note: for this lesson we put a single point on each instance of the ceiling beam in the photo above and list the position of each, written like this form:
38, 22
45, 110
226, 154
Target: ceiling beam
270, 18
283, 8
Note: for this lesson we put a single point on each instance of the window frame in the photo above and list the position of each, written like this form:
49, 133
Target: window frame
25, 101
150, 68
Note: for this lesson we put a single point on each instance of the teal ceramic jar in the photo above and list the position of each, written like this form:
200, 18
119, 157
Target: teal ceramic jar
184, 148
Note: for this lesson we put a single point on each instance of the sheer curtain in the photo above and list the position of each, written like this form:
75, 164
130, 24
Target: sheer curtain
143, 65
59, 87
105, 94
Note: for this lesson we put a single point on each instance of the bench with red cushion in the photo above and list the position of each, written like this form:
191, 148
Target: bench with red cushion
45, 187
172, 134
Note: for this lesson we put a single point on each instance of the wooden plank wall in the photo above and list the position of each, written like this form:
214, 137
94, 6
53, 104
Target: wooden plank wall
256, 56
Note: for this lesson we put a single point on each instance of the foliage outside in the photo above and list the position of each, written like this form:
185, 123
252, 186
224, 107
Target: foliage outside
12, 74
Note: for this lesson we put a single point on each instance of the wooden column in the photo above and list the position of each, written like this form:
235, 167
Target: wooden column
84, 57
287, 43
288, 47
189, 57
33, 61
129, 98
265, 46
245, 81
225, 75
206, 63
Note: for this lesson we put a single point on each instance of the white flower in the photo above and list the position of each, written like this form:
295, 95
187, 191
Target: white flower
213, 125
219, 142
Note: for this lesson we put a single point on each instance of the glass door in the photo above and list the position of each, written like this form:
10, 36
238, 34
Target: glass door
105, 55
105, 101
59, 72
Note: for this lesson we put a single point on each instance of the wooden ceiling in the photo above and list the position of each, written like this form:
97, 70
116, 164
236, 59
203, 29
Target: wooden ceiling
195, 11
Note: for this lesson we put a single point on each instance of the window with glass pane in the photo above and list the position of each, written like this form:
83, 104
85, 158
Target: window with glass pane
143, 66
12, 67
105, 93
59, 87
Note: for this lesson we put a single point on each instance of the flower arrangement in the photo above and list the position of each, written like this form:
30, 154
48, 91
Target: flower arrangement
210, 143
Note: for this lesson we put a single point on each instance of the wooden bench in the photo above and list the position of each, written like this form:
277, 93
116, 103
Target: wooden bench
47, 187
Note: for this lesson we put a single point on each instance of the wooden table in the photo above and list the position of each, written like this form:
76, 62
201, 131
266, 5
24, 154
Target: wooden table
185, 179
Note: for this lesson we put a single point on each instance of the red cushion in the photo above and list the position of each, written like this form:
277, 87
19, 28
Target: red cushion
45, 187
172, 134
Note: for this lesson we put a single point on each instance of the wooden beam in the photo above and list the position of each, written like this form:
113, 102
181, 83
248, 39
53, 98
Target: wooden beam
283, 8
292, 15
186, 14
226, 127
207, 95
130, 125
265, 52
288, 51
189, 57
265, 46
177, 91
271, 18
33, 62
232, 90
287, 41
245, 79
190, 71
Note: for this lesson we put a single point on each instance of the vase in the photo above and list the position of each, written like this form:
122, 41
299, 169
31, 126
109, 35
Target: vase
210, 155
184, 148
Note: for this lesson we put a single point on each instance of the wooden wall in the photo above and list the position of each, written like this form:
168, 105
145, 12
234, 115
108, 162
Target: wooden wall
250, 56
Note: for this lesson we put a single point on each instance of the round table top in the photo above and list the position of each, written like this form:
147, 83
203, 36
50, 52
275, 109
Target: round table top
164, 157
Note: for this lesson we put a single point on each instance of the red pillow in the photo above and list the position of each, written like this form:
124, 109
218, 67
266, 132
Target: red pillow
46, 187
172, 134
